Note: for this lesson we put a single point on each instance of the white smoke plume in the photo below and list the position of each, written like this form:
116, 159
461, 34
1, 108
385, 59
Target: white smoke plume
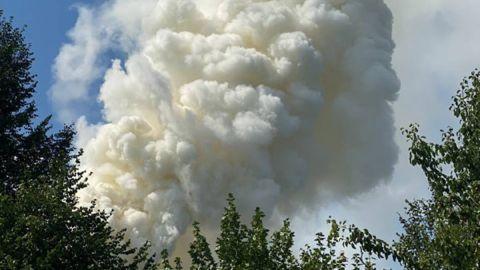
285, 103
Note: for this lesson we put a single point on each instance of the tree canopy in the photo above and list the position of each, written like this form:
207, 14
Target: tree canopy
239, 246
443, 232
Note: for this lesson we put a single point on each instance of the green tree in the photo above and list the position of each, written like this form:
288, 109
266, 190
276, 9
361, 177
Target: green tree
200, 253
329, 251
281, 248
165, 264
232, 243
258, 256
245, 247
178, 263
324, 255
20, 142
443, 232
41, 226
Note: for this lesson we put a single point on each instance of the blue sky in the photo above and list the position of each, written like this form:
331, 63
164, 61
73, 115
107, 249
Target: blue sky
47, 23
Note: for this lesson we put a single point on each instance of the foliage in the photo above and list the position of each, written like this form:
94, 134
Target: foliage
282, 242
232, 243
39, 231
241, 247
200, 251
257, 253
443, 232
41, 226
17, 85
327, 256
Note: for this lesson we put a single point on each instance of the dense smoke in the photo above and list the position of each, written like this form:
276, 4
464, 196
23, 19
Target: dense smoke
285, 103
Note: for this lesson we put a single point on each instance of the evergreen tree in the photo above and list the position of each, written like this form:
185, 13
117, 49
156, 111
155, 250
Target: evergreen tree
17, 111
41, 226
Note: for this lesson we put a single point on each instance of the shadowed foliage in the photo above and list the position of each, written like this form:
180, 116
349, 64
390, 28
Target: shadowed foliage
41, 226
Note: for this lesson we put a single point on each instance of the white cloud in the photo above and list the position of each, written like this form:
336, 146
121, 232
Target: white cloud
76, 66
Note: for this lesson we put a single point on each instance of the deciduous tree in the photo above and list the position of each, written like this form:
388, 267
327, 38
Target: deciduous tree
443, 231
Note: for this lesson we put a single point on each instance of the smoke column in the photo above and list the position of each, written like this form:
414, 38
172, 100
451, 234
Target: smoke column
285, 103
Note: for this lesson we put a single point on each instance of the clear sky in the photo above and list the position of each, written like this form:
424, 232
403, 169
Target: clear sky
437, 44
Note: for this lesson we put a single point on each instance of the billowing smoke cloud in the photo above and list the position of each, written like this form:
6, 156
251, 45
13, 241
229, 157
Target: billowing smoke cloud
285, 103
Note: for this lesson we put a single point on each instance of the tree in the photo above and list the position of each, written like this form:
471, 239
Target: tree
17, 85
329, 252
281, 248
41, 232
178, 264
41, 226
200, 251
257, 253
165, 264
232, 243
443, 232
243, 247
26, 150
